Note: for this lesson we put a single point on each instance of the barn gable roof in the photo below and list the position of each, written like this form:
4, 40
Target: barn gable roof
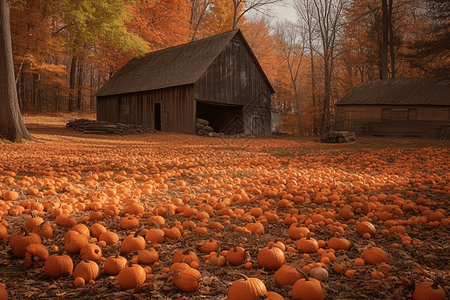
411, 91
175, 66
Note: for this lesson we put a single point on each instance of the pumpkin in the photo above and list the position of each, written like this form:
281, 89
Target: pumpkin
374, 255
319, 273
216, 259
286, 275
296, 232
271, 258
81, 229
3, 232
90, 252
58, 265
35, 255
186, 280
429, 291
186, 256
87, 269
20, 241
307, 288
109, 237
307, 245
75, 242
44, 230
96, 229
114, 264
208, 246
339, 243
236, 256
131, 276
269, 296
129, 223
32, 221
246, 288
79, 281
278, 244
365, 227
155, 235
3, 292
133, 243
148, 257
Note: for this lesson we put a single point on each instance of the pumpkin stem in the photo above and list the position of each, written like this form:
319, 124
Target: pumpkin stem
156, 224
130, 264
32, 213
261, 296
303, 274
436, 283
24, 230
308, 236
85, 260
187, 251
239, 274
138, 231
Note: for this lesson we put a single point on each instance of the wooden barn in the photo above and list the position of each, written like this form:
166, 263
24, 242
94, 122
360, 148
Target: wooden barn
217, 79
415, 107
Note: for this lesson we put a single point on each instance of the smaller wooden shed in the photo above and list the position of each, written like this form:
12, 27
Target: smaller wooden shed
217, 79
414, 107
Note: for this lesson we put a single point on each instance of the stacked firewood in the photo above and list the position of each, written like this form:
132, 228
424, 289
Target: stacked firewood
99, 127
202, 128
338, 137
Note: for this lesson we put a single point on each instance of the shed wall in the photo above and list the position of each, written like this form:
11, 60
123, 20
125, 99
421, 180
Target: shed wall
234, 79
177, 110
390, 120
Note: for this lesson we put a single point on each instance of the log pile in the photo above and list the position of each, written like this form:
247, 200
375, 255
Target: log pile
99, 127
202, 128
338, 137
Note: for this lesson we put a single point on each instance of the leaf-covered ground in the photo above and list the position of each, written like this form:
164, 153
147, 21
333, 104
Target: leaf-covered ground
159, 169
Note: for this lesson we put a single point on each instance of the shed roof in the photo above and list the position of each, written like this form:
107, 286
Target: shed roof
411, 91
175, 66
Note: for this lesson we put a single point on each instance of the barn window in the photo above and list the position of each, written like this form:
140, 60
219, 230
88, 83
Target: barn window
412, 114
235, 45
386, 114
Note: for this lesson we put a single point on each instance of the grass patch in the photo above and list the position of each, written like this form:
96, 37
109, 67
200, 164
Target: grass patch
280, 152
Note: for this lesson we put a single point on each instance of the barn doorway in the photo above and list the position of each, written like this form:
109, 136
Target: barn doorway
227, 119
157, 115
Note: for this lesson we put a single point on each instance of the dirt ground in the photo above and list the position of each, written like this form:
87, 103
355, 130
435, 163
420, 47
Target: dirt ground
405, 169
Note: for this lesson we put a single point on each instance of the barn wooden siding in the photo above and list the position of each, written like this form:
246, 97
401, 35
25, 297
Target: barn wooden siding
177, 113
393, 120
235, 79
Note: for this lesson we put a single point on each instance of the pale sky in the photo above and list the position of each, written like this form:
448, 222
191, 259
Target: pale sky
280, 12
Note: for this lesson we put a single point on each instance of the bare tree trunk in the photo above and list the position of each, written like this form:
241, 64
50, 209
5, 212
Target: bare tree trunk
391, 38
384, 44
80, 87
72, 82
12, 126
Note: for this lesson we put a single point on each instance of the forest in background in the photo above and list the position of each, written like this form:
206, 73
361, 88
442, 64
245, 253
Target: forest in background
64, 51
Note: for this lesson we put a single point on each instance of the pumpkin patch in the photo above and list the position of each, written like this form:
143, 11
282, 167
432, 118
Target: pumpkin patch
186, 216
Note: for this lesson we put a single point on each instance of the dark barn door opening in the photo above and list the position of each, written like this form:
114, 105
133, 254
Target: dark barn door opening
227, 119
157, 115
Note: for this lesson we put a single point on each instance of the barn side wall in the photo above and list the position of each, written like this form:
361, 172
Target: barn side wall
175, 111
391, 120
235, 79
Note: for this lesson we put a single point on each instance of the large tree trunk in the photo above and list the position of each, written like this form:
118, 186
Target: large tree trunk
12, 126
391, 38
384, 44
80, 87
72, 82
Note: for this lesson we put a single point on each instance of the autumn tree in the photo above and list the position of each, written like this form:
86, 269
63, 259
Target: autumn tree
430, 51
12, 126
291, 42
160, 24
